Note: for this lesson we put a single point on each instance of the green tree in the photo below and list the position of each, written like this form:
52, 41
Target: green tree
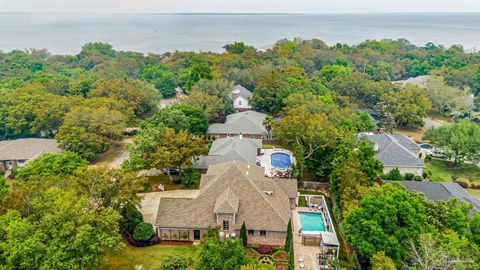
213, 106
51, 165
334, 71
273, 87
408, 106
162, 148
162, 78
109, 188
3, 188
243, 234
130, 218
89, 131
174, 263
381, 262
220, 255
194, 73
137, 95
475, 229
64, 231
98, 48
143, 232
370, 230
460, 141
393, 175
220, 88
182, 117
446, 99
442, 251
291, 257
189, 177
237, 47
289, 237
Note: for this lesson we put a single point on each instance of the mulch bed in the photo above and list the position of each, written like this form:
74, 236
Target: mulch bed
176, 243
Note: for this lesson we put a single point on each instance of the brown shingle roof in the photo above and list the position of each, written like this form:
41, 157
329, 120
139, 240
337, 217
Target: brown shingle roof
258, 209
27, 149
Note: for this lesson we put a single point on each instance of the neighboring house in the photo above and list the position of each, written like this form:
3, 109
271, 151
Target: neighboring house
16, 153
398, 151
441, 191
419, 81
249, 124
230, 194
240, 97
228, 149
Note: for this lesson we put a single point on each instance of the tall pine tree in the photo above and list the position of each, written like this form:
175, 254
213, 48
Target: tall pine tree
289, 237
243, 234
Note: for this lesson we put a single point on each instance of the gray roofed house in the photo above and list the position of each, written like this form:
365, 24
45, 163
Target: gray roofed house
228, 149
398, 151
232, 193
443, 191
240, 97
248, 123
16, 153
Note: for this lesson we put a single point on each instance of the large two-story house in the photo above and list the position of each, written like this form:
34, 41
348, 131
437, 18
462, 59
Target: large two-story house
231, 193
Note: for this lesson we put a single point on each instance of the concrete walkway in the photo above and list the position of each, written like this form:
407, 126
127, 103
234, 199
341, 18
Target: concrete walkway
150, 202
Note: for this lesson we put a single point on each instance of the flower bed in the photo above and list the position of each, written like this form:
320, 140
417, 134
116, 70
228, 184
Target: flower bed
281, 256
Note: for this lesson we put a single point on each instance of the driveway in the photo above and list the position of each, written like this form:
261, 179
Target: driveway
150, 202
429, 122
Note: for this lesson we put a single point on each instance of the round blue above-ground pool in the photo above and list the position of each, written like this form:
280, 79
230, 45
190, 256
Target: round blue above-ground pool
281, 161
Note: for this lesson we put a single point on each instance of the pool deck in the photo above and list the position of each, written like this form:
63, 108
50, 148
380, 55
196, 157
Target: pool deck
307, 252
266, 162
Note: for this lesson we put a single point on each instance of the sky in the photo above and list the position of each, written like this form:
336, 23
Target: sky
240, 6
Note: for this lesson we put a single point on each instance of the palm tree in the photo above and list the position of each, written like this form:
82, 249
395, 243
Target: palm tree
268, 123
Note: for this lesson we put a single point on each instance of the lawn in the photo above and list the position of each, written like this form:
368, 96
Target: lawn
163, 179
415, 134
443, 170
150, 257
474, 192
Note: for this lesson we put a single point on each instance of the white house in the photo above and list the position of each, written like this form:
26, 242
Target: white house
240, 97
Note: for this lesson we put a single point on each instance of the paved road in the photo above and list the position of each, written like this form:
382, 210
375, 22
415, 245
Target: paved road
429, 122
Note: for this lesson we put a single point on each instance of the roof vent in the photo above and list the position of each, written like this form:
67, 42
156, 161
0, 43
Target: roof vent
246, 173
376, 147
269, 193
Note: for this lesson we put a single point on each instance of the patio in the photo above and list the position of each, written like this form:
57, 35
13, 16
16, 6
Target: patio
314, 249
265, 160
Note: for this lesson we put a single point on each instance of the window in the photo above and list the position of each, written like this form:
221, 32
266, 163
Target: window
263, 233
226, 225
251, 232
240, 103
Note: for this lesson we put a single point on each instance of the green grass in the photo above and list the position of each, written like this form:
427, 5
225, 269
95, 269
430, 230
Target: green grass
444, 170
150, 257
163, 179
474, 193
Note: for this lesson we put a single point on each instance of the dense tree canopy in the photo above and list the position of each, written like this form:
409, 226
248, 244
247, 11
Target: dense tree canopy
460, 141
51, 165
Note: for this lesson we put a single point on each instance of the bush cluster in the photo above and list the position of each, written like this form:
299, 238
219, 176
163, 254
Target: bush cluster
143, 232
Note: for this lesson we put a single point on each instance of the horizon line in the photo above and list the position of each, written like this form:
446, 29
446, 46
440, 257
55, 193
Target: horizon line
241, 13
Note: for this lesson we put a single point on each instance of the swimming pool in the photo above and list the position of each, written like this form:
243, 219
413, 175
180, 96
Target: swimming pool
312, 222
281, 161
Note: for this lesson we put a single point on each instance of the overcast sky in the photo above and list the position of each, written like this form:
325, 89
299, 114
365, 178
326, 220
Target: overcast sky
240, 6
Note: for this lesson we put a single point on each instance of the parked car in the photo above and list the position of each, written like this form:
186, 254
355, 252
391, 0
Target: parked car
426, 146
438, 154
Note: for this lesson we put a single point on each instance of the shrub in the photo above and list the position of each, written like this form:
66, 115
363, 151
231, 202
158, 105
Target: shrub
174, 263
409, 176
428, 158
418, 178
143, 232
473, 186
189, 177
462, 184
131, 217
265, 250
425, 175
393, 175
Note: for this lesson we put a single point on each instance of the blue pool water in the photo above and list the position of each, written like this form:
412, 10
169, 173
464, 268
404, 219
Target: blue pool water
312, 222
281, 161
